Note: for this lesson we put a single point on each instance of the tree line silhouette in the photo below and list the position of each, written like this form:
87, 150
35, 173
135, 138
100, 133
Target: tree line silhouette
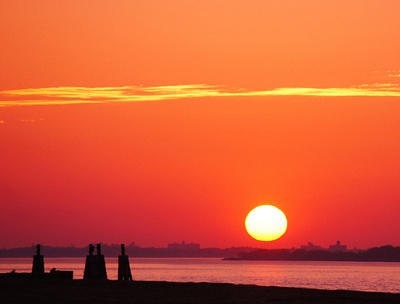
386, 253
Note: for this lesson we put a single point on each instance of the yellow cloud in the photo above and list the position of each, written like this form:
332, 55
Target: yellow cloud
76, 95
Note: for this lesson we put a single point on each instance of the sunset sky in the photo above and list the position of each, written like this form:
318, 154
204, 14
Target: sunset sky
161, 121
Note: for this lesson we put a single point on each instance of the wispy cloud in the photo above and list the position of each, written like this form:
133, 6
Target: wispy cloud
77, 95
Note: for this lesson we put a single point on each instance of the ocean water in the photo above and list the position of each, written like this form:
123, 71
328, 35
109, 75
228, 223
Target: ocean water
363, 276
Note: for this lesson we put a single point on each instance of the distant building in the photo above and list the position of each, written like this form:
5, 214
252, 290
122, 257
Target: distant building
184, 246
337, 247
132, 245
310, 246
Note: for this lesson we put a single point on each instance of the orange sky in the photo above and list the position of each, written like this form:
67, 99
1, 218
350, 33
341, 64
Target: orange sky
161, 121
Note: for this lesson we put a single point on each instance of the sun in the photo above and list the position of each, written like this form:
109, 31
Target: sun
266, 223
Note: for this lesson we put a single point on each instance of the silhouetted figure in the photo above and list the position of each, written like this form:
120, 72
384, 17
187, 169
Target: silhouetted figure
124, 269
38, 262
95, 267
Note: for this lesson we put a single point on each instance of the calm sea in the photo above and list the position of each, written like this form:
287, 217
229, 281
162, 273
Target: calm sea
364, 276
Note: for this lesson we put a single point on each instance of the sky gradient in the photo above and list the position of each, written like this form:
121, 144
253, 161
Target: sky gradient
160, 121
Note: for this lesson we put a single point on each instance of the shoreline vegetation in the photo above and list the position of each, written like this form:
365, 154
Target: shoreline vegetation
97, 291
386, 253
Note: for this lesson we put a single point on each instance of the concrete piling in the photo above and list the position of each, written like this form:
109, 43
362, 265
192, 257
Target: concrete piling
124, 269
38, 262
95, 266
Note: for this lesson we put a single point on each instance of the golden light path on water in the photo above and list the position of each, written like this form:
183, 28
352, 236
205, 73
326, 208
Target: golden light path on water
79, 95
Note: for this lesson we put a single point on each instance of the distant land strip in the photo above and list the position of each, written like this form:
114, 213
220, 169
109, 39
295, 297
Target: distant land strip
386, 253
132, 250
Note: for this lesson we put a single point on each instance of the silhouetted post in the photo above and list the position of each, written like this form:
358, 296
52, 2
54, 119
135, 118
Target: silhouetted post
95, 267
101, 264
38, 262
124, 269
90, 265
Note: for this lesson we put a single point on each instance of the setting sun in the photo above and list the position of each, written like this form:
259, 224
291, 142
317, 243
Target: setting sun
266, 223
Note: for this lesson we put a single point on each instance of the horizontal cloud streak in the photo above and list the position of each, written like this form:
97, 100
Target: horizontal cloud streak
78, 95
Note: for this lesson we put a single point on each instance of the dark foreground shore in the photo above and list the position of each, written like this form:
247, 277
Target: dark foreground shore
78, 291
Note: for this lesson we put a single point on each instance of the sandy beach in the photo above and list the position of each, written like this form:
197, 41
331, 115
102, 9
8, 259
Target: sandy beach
79, 291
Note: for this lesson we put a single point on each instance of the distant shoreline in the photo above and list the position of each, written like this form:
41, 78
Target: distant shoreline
386, 253
310, 260
80, 291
